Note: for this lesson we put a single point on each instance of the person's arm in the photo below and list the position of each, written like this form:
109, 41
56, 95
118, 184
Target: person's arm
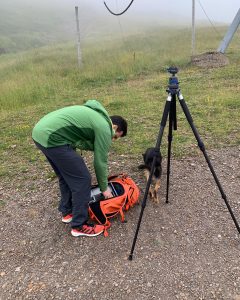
102, 145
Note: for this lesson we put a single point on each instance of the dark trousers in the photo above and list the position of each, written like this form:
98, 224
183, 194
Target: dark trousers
74, 181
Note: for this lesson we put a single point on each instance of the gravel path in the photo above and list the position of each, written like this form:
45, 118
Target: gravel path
187, 249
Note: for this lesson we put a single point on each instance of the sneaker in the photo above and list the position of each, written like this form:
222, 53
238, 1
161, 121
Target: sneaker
87, 230
67, 218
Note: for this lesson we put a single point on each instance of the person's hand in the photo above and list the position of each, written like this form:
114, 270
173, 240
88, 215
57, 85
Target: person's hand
107, 194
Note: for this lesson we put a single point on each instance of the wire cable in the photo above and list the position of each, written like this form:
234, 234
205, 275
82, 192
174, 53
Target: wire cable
121, 13
209, 18
120, 25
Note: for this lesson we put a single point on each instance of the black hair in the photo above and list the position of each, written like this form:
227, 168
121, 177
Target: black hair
121, 124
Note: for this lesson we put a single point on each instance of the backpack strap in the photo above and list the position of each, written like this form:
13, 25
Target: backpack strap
122, 215
106, 226
122, 175
97, 214
129, 203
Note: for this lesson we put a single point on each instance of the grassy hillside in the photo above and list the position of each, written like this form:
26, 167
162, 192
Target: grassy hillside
128, 75
26, 24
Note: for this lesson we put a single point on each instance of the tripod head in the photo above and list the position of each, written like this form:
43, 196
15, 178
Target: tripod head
173, 87
172, 70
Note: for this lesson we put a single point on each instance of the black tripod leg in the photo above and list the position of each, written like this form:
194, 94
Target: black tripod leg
202, 148
172, 122
158, 143
169, 157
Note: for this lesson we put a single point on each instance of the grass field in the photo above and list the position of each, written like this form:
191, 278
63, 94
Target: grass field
128, 75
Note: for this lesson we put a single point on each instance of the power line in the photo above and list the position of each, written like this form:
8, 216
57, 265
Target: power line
118, 14
208, 18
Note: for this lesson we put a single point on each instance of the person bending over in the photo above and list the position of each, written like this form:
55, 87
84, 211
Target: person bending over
57, 135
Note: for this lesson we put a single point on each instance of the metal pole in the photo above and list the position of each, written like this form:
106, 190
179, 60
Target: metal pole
193, 27
230, 33
78, 38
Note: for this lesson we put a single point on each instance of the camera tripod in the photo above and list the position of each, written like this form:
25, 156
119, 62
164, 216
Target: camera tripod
170, 111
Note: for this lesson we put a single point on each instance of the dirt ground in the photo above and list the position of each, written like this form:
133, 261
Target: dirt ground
210, 60
187, 249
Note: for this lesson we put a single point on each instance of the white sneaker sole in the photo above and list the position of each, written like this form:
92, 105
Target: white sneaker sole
77, 234
67, 221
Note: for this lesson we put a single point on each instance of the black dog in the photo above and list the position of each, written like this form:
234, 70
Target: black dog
148, 160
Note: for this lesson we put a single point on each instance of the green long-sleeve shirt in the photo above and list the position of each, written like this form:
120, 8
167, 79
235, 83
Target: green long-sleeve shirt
87, 127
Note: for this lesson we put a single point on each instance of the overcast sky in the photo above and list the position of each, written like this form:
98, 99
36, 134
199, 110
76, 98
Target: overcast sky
216, 10
222, 11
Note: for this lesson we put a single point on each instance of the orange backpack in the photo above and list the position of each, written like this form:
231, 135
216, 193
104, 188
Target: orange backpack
125, 195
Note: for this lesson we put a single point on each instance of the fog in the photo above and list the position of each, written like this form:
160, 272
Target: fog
222, 11
54, 20
215, 10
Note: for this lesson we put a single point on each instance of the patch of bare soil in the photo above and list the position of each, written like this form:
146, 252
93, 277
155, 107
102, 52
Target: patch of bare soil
187, 249
210, 60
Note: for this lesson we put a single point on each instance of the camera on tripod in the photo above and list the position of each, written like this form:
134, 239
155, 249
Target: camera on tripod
172, 70
173, 81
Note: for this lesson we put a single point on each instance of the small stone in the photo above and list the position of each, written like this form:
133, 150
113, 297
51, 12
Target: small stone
149, 284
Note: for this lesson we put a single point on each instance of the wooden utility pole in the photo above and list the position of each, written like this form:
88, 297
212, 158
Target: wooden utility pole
230, 33
193, 27
78, 38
